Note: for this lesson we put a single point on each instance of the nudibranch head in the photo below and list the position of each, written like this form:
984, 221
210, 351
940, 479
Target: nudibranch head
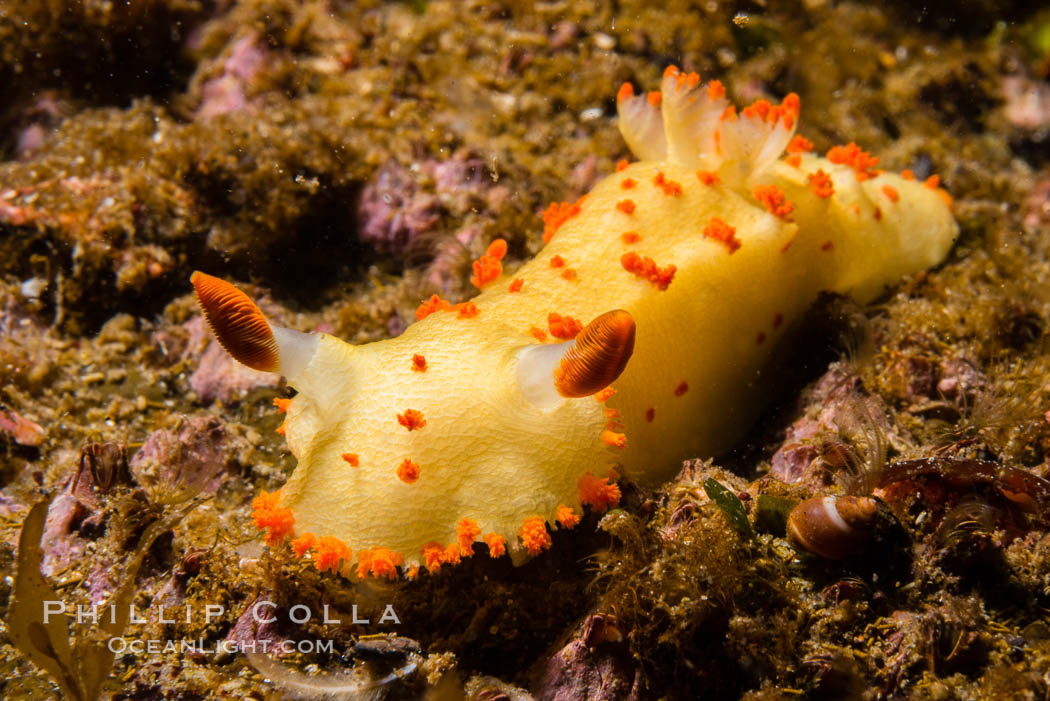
413, 449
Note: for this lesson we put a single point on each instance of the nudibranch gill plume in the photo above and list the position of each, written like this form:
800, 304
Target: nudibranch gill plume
495, 420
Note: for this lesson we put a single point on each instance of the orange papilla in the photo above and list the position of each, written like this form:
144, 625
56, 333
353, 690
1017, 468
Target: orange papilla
419, 363
891, 193
774, 200
718, 230
538, 333
557, 262
278, 522
303, 543
621, 164
626, 91
566, 516
654, 98
282, 404
932, 182
408, 471
534, 536
628, 183
467, 531
597, 492
412, 419
488, 267
715, 90
820, 183
563, 327
671, 70
669, 187
647, 269
352, 459
681, 389
379, 562
557, 214
794, 160
569, 273
329, 552
614, 439
515, 285
907, 174
497, 544
430, 306
799, 144
861, 162
631, 237
465, 310
708, 177
282, 429
626, 206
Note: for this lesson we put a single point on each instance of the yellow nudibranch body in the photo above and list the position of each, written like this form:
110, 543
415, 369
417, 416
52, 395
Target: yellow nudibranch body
485, 421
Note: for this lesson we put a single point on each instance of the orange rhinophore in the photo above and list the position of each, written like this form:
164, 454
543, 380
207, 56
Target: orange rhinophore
489, 266
718, 230
352, 459
434, 304
598, 492
563, 327
626, 206
647, 269
419, 363
598, 355
467, 531
412, 419
821, 184
534, 535
408, 471
237, 322
773, 199
861, 162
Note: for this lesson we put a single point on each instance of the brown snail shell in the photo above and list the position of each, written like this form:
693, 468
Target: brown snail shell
832, 527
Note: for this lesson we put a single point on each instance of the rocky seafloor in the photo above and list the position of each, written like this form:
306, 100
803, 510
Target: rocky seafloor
344, 160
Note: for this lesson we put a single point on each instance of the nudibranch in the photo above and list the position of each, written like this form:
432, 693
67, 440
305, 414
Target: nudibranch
494, 420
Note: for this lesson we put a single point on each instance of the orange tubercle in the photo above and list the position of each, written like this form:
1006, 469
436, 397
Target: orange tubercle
862, 163
563, 327
708, 177
718, 230
488, 267
352, 459
430, 306
566, 517
628, 183
282, 404
433, 556
715, 90
408, 471
278, 522
604, 395
557, 262
622, 163
669, 187
451, 555
557, 214
329, 552
538, 333
467, 531
465, 310
799, 144
419, 363
891, 193
497, 544
515, 285
794, 160
626, 206
597, 492
379, 562
614, 439
647, 269
303, 543
773, 199
534, 535
282, 429
630, 237
412, 419
821, 184
569, 274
